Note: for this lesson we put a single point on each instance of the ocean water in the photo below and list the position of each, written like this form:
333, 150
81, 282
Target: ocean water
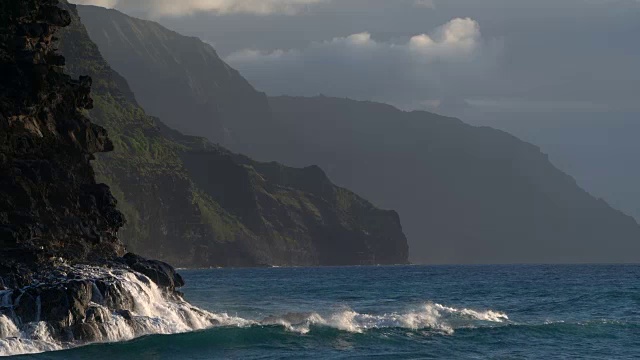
401, 312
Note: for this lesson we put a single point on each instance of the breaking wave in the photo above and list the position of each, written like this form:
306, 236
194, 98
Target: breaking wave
431, 316
155, 312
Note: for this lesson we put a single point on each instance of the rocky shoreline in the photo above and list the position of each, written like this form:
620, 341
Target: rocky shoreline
64, 276
78, 303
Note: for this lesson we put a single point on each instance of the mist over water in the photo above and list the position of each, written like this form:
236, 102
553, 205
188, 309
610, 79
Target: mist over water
401, 312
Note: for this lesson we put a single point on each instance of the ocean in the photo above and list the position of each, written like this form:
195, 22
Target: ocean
401, 312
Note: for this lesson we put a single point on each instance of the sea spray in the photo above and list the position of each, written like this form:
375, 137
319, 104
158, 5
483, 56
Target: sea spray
153, 311
432, 316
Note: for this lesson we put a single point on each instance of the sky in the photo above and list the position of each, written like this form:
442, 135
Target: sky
562, 74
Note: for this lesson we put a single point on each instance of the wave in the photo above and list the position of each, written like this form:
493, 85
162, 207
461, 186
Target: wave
272, 341
432, 316
155, 312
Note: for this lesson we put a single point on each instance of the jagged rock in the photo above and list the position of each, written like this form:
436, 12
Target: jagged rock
59, 251
161, 273
51, 204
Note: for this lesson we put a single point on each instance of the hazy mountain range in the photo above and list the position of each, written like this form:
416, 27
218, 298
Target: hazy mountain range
194, 203
465, 194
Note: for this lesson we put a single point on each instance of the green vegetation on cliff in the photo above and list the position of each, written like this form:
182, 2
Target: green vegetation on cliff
466, 194
193, 203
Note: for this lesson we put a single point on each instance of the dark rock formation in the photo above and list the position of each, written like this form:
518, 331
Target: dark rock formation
50, 205
60, 257
192, 203
159, 272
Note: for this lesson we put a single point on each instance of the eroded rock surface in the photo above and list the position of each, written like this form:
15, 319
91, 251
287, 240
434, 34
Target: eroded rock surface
63, 277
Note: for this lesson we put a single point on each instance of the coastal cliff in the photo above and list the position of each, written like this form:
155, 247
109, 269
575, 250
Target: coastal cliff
195, 204
65, 277
465, 194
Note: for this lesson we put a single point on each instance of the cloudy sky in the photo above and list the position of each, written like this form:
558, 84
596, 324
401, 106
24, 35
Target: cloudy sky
557, 55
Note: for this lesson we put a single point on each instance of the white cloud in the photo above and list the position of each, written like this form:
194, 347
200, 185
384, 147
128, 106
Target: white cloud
425, 66
458, 38
158, 8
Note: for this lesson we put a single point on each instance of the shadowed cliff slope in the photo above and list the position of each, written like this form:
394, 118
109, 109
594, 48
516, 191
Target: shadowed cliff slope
196, 204
466, 194
220, 103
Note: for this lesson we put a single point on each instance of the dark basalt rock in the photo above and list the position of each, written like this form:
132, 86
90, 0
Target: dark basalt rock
58, 226
161, 273
74, 306
50, 204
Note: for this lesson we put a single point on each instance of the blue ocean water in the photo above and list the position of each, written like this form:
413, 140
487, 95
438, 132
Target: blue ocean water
403, 312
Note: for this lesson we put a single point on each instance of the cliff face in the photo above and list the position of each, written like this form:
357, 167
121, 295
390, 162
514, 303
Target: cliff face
466, 194
208, 97
193, 203
63, 279
50, 204
304, 218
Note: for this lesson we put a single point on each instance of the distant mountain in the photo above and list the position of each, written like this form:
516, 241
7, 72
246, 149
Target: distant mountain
208, 97
466, 194
193, 203
598, 148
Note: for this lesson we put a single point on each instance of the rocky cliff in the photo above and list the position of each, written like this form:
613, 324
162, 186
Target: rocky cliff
466, 194
216, 100
194, 203
63, 278
51, 205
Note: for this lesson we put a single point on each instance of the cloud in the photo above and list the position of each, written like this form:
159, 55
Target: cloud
159, 8
404, 71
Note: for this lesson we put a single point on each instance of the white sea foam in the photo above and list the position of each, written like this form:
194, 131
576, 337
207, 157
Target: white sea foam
488, 315
431, 316
155, 312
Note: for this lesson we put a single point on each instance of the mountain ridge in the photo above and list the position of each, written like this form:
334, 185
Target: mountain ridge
186, 63
194, 203
466, 194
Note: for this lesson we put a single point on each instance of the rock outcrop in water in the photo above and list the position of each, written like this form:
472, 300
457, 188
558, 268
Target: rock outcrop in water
195, 204
63, 277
